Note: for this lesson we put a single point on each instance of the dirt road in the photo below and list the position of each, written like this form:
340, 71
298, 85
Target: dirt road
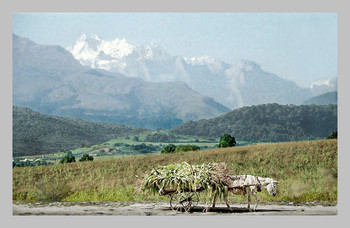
163, 209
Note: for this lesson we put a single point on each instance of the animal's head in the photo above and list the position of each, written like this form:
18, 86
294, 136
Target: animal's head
270, 185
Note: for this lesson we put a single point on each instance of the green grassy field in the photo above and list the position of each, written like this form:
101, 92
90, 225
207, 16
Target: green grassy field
124, 146
306, 171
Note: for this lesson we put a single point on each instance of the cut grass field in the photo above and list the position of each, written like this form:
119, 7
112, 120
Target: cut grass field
306, 171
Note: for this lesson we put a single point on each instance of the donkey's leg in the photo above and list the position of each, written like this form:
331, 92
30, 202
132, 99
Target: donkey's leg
214, 201
213, 206
226, 201
249, 199
257, 199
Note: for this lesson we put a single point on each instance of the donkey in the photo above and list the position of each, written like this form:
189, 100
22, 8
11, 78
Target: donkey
248, 184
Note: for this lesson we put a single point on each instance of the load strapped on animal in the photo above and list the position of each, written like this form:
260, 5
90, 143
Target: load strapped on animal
183, 181
183, 177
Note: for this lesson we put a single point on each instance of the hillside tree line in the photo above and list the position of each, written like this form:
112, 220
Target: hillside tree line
35, 133
267, 122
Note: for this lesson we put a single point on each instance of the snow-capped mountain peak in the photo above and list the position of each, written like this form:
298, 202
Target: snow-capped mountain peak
97, 53
85, 48
117, 48
234, 85
112, 54
200, 60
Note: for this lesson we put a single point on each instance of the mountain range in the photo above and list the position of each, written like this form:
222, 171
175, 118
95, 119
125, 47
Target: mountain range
49, 80
233, 85
119, 82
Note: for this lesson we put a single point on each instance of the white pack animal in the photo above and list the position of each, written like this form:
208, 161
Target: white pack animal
250, 185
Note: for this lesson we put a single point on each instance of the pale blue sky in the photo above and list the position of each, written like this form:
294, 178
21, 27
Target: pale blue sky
301, 47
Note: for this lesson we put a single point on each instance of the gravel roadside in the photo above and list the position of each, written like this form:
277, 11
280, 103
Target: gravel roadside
163, 209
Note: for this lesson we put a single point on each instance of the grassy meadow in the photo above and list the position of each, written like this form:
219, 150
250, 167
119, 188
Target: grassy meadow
125, 146
306, 171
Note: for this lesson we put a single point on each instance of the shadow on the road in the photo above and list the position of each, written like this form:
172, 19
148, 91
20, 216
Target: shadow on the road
233, 210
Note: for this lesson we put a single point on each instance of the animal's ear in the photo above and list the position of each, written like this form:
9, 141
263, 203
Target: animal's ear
276, 182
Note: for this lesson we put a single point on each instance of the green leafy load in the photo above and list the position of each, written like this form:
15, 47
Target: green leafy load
183, 177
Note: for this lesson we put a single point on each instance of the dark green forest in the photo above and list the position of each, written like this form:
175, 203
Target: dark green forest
267, 123
35, 133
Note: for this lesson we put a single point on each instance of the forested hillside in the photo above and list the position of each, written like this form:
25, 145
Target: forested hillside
268, 122
35, 133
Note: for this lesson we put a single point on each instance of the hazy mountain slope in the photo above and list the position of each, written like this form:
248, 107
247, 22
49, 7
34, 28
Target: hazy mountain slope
257, 86
268, 122
323, 99
35, 133
48, 79
234, 85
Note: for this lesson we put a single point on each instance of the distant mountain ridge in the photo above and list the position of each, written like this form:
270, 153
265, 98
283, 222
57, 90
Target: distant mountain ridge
267, 122
323, 99
49, 80
35, 133
233, 85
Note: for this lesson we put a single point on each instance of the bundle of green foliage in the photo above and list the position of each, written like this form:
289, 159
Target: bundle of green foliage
69, 158
227, 141
185, 177
86, 157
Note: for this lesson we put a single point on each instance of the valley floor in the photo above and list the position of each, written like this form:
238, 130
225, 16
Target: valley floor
163, 209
